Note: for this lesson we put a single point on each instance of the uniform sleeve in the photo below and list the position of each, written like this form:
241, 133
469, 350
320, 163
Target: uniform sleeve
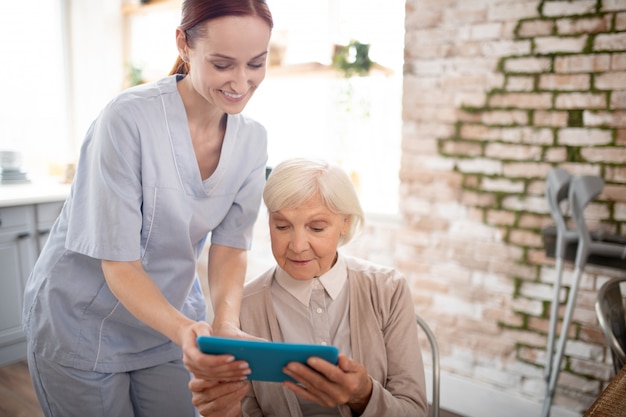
105, 217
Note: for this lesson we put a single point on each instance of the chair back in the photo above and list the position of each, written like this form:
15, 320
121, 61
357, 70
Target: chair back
610, 311
434, 350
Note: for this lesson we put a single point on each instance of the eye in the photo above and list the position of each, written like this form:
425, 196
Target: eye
281, 227
318, 227
256, 65
220, 67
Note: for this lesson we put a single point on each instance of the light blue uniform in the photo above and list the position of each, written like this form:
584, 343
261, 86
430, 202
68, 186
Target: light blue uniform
138, 194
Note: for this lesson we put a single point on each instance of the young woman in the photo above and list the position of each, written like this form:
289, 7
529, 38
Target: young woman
113, 305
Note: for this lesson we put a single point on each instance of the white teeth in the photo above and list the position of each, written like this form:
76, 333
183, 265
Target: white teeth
231, 95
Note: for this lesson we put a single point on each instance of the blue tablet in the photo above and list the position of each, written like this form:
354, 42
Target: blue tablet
266, 359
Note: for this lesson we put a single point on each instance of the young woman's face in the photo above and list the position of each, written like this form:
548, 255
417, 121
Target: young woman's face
227, 63
305, 239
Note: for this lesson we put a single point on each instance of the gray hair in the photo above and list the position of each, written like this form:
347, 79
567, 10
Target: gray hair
294, 181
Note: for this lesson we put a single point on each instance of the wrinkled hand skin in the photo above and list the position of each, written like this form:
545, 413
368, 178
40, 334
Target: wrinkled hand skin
330, 385
218, 399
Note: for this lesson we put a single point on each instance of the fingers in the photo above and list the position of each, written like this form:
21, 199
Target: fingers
219, 368
218, 399
210, 367
320, 382
330, 385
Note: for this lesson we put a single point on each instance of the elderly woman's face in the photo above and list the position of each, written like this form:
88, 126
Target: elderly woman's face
305, 239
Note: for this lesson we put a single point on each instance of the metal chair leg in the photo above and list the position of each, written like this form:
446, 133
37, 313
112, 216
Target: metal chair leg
554, 314
558, 358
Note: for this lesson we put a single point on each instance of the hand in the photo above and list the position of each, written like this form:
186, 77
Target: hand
210, 367
347, 383
230, 330
218, 399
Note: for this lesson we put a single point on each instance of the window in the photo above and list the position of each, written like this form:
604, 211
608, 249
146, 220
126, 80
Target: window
34, 119
80, 54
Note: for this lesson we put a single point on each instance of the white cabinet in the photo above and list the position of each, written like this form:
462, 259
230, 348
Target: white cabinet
23, 232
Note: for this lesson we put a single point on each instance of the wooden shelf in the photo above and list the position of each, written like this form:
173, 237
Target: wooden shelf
313, 69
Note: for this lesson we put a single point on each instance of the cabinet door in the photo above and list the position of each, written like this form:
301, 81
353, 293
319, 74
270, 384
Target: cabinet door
47, 213
17, 256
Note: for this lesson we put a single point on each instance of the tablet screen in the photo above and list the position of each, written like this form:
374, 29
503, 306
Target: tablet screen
266, 359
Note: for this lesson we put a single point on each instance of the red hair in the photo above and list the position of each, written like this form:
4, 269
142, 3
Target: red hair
195, 12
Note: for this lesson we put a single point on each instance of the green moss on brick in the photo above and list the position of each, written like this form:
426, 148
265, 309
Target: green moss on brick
573, 154
575, 118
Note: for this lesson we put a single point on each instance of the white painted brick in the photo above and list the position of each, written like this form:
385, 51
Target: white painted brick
582, 63
520, 83
496, 283
618, 100
610, 42
606, 155
620, 212
513, 152
521, 9
611, 81
569, 82
536, 291
527, 65
583, 137
583, 350
568, 8
620, 21
618, 61
532, 307
525, 169
529, 203
583, 25
504, 185
504, 117
528, 135
605, 118
580, 101
456, 306
613, 5
480, 165
602, 372
532, 28
485, 31
553, 44
505, 48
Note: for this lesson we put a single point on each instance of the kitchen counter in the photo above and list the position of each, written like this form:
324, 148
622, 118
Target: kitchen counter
35, 192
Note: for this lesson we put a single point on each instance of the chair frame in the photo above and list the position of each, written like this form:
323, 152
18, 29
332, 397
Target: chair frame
583, 189
434, 350
609, 302
557, 189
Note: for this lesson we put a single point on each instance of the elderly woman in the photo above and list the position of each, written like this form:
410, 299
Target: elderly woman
317, 295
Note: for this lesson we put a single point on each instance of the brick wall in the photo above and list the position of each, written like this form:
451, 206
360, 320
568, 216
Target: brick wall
497, 92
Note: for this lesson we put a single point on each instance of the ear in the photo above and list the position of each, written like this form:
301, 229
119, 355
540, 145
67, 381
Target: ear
181, 44
346, 225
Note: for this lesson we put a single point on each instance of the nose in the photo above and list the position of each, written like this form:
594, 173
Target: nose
241, 81
298, 242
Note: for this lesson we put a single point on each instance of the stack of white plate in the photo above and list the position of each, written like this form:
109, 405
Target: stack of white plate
14, 176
